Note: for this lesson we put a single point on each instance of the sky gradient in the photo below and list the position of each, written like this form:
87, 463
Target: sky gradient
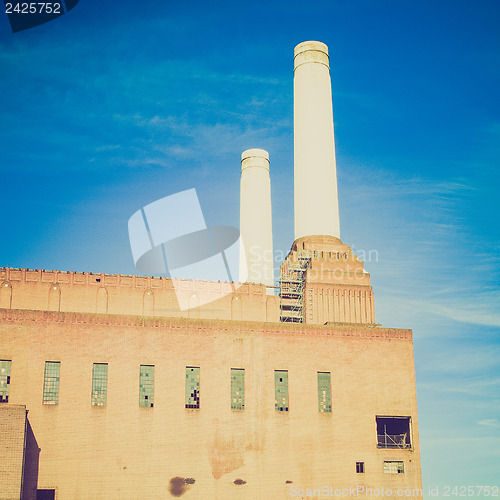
115, 105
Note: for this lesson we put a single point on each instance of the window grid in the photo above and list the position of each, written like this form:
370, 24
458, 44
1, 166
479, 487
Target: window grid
237, 389
192, 387
146, 386
324, 392
4, 380
51, 383
360, 467
393, 467
99, 384
281, 390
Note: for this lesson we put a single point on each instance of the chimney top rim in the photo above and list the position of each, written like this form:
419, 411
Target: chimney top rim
254, 153
311, 45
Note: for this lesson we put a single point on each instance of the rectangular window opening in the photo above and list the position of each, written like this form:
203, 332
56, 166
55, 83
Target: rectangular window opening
360, 467
324, 392
51, 383
237, 389
99, 384
5, 365
146, 386
45, 494
281, 390
393, 432
193, 387
393, 467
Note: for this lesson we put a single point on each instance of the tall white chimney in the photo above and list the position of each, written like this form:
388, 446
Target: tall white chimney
315, 176
255, 218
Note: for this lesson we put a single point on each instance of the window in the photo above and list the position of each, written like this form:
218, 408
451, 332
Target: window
193, 387
45, 494
393, 432
324, 392
281, 390
237, 389
4, 380
99, 384
393, 467
360, 467
146, 386
51, 383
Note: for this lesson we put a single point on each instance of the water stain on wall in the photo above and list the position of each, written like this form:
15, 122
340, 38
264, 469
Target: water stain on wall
225, 455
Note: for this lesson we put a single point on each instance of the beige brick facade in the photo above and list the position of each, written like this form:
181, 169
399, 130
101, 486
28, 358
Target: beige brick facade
18, 454
125, 451
12, 432
336, 287
36, 289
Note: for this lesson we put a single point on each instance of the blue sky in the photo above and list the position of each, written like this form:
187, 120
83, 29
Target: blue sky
115, 105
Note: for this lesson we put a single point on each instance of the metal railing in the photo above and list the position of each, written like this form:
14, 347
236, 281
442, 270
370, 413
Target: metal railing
392, 441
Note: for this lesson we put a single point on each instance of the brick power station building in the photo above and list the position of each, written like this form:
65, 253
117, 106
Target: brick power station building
110, 390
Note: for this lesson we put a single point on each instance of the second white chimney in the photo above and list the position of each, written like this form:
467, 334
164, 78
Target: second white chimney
256, 255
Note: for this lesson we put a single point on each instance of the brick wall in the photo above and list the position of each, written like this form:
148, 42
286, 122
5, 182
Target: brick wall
126, 451
139, 295
12, 432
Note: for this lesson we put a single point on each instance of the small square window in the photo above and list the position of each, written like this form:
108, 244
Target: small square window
45, 494
394, 467
360, 467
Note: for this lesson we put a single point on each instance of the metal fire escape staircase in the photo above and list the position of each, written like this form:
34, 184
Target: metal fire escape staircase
292, 284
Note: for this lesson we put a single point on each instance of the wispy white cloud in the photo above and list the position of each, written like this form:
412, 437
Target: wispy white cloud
426, 265
479, 310
490, 422
467, 360
472, 306
483, 387
109, 147
205, 141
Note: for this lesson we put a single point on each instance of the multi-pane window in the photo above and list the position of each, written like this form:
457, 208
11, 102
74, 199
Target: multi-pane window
99, 384
281, 390
51, 383
324, 392
393, 467
192, 387
4, 380
237, 389
360, 467
146, 385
